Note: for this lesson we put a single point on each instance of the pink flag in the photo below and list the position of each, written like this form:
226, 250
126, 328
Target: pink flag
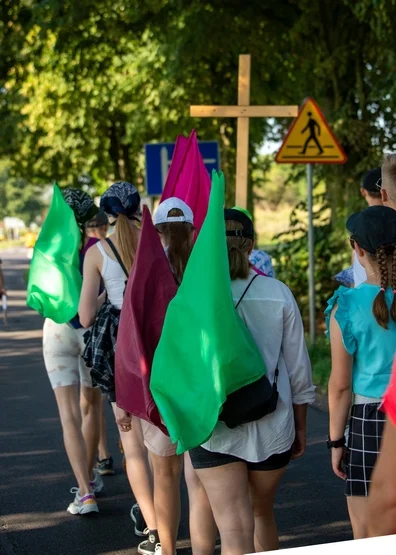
188, 179
151, 286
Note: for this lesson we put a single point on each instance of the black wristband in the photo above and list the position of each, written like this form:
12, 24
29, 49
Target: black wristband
335, 444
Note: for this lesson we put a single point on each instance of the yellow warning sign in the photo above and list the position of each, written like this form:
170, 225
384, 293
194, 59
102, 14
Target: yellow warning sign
310, 140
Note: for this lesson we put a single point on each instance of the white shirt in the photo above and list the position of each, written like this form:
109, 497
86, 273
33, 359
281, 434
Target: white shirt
272, 316
359, 273
113, 277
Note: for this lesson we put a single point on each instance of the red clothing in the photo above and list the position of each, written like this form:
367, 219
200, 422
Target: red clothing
389, 404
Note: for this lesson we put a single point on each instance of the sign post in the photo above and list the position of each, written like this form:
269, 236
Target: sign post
243, 111
311, 250
310, 141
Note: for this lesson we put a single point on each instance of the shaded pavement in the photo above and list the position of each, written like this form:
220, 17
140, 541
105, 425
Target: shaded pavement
36, 478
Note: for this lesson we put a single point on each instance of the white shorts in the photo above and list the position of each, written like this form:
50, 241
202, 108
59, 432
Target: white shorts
62, 350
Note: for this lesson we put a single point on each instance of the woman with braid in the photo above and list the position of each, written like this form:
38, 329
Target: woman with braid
361, 323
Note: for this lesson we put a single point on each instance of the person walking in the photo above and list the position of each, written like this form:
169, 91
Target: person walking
370, 190
98, 228
110, 262
361, 324
240, 469
382, 497
78, 401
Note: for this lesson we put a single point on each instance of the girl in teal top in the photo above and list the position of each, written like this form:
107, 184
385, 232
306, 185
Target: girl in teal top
361, 323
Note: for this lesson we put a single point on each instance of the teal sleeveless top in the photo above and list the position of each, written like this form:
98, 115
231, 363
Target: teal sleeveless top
372, 347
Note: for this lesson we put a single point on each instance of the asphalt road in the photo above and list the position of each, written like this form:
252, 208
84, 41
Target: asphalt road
36, 478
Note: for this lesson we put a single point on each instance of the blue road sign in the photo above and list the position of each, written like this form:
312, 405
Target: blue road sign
159, 156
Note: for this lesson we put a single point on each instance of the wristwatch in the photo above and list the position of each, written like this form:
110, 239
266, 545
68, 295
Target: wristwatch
335, 444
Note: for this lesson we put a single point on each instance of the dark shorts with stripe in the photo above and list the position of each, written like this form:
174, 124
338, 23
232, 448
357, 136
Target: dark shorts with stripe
364, 443
202, 458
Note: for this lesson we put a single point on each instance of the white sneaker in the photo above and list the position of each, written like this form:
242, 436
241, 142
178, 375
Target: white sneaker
83, 505
97, 484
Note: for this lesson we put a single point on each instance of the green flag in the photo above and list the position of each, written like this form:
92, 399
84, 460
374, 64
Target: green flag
205, 352
54, 279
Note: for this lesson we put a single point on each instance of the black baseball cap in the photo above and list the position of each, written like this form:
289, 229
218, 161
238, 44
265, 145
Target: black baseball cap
372, 180
239, 216
99, 220
373, 227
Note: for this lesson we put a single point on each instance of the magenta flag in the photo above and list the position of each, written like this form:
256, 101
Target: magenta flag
151, 286
188, 179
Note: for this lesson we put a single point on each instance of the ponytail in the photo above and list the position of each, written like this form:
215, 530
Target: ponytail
127, 237
178, 239
238, 252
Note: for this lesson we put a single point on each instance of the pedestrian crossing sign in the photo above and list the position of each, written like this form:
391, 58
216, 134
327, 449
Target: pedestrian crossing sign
310, 140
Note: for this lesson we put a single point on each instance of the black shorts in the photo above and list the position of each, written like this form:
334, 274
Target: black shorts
202, 458
364, 442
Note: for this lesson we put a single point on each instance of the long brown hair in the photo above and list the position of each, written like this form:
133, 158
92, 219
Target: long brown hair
238, 252
127, 237
178, 237
380, 308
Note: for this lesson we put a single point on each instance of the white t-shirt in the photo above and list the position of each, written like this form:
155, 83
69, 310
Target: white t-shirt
272, 316
359, 273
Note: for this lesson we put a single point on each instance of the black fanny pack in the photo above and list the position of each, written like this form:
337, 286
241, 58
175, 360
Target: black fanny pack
253, 401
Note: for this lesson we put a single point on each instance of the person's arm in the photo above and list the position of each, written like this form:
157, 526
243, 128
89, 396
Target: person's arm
382, 496
298, 366
89, 301
2, 282
339, 392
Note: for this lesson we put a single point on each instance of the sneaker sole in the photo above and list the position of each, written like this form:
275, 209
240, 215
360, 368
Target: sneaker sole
94, 511
105, 472
143, 551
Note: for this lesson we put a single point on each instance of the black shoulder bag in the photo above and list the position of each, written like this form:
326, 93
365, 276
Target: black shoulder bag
253, 401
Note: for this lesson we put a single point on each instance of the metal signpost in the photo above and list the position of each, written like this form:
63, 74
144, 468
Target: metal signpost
310, 141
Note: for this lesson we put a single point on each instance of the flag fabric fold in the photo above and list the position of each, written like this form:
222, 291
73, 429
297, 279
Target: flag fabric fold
55, 280
188, 179
205, 352
151, 286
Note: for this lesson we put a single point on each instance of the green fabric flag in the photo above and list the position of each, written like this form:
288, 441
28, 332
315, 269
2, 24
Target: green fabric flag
54, 278
206, 351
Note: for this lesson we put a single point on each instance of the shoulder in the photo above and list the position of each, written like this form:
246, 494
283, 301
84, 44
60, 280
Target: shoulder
272, 289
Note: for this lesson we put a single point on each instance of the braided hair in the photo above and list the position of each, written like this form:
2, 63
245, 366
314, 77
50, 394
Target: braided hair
380, 308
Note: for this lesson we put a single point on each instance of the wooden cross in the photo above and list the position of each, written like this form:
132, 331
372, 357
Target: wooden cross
243, 111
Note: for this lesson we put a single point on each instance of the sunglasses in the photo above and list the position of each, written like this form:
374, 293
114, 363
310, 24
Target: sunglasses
352, 243
379, 184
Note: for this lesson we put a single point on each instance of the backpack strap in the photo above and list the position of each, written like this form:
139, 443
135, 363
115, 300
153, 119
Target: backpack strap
246, 290
116, 254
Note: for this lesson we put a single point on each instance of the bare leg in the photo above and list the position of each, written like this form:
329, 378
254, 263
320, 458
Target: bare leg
227, 488
263, 486
90, 410
203, 529
357, 508
70, 416
138, 471
167, 472
103, 452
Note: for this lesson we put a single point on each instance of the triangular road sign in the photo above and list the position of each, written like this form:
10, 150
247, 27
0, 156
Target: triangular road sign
310, 140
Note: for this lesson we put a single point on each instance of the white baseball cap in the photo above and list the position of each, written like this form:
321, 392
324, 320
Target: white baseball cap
161, 214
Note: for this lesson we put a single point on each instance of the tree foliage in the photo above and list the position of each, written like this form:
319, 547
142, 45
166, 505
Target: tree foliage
86, 83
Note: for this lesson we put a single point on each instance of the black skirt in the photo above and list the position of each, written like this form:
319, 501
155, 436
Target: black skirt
364, 442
